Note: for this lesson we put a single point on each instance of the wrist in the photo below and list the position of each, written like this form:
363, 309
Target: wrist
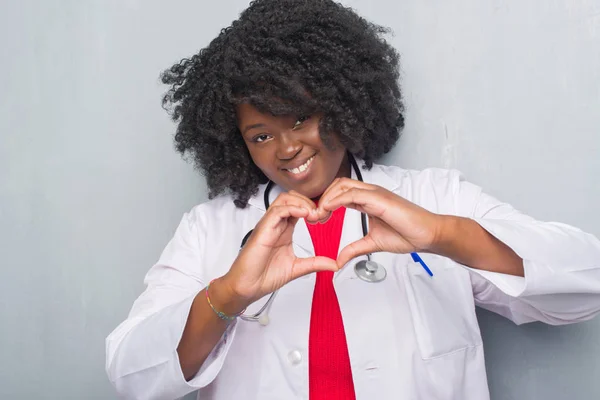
445, 232
224, 298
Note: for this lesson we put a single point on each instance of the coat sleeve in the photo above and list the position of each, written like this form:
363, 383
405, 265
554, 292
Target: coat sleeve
562, 263
141, 356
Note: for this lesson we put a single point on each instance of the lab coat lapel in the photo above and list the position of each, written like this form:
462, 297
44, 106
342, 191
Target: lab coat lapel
302, 238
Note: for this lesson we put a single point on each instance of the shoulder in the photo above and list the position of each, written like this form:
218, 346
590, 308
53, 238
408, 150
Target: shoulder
437, 189
438, 179
221, 209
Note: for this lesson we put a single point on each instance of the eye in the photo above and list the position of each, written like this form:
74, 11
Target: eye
300, 121
260, 138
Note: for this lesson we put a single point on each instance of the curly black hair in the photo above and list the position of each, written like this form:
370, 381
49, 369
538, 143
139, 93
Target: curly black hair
285, 57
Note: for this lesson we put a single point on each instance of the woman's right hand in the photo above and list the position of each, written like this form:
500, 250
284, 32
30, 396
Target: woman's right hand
267, 260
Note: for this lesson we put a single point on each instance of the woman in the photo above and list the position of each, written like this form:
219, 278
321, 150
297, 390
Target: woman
285, 113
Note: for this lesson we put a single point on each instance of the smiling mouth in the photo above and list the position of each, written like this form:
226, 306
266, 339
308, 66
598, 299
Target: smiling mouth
301, 168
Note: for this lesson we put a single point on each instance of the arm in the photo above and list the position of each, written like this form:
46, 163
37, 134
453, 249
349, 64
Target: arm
561, 264
173, 342
143, 353
521, 268
466, 242
203, 329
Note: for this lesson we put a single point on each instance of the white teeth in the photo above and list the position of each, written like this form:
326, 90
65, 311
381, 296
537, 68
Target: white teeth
303, 167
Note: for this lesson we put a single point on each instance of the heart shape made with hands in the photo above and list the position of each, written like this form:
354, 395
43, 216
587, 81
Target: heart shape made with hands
395, 224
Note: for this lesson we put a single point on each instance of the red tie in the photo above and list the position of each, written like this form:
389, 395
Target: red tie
329, 371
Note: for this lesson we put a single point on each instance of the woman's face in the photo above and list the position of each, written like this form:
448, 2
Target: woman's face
289, 150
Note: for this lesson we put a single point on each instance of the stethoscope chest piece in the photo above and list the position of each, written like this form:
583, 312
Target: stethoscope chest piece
370, 271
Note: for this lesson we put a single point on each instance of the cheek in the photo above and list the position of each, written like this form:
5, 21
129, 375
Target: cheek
333, 145
262, 160
255, 157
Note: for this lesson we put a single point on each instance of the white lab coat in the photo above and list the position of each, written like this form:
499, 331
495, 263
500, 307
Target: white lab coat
409, 337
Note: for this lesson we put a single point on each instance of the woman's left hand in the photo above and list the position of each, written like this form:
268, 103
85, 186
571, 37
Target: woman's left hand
395, 224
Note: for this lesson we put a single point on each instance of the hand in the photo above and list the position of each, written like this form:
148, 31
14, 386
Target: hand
267, 261
395, 224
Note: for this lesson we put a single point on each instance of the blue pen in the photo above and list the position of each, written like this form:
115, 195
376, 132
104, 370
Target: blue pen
417, 258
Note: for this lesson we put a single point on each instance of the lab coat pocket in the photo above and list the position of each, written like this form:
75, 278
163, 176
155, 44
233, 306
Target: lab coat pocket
442, 308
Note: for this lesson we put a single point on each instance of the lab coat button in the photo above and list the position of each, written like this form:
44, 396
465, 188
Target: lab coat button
295, 357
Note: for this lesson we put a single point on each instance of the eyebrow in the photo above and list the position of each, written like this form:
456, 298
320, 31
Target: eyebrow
246, 129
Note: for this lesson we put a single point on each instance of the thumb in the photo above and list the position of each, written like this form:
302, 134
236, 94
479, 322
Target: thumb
355, 249
305, 266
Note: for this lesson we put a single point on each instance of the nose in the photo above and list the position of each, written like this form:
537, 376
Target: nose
288, 146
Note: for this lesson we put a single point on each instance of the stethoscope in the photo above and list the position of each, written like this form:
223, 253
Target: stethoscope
367, 270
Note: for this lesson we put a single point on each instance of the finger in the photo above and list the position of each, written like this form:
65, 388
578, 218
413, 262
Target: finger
339, 187
293, 198
283, 212
329, 189
344, 184
305, 266
303, 201
368, 201
278, 213
359, 248
324, 215
313, 216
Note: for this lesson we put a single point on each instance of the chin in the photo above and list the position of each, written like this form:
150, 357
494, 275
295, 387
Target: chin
312, 192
